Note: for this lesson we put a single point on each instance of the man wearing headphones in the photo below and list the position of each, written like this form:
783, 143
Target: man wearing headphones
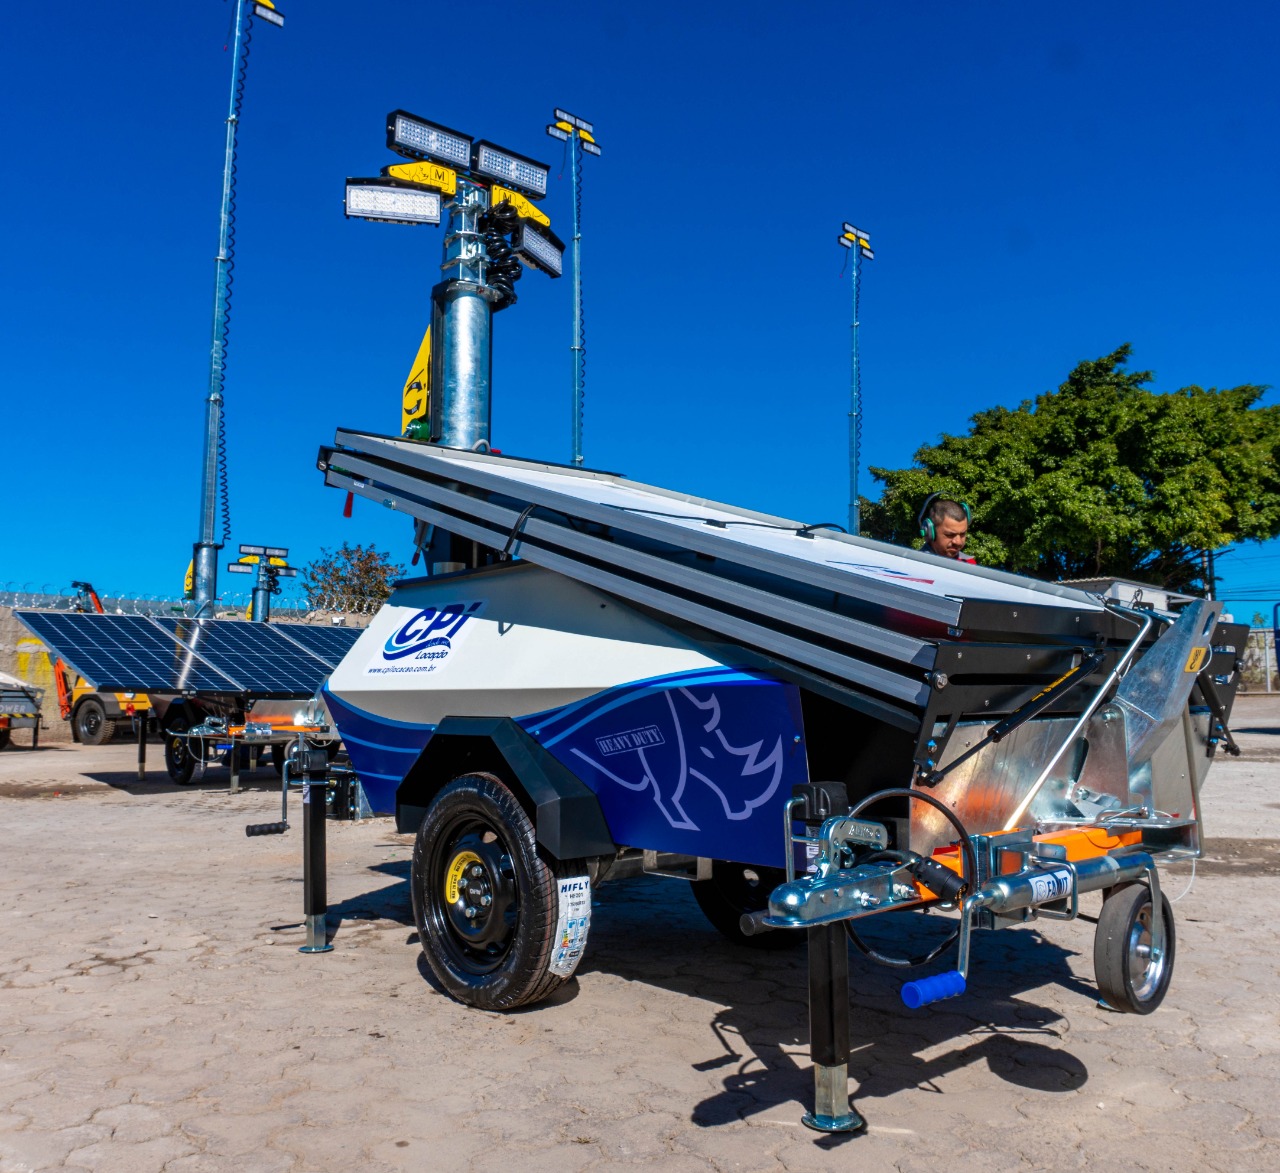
944, 525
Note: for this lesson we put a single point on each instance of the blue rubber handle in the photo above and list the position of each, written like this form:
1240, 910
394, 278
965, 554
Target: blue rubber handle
933, 989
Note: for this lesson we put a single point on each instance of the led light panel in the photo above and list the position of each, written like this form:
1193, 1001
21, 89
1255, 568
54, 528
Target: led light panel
270, 15
590, 148
565, 116
241, 567
391, 201
555, 132
417, 138
540, 248
524, 175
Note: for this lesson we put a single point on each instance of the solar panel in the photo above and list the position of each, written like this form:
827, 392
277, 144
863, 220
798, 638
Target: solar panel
328, 643
125, 653
255, 654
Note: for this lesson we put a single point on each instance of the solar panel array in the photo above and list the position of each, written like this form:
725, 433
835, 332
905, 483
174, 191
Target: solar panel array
254, 654
169, 654
329, 643
125, 653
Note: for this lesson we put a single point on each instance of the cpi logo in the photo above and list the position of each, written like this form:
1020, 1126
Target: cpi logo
429, 630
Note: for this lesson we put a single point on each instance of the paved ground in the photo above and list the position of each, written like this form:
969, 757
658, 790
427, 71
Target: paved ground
155, 1014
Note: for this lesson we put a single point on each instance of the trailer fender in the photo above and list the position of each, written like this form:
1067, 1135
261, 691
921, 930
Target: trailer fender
565, 811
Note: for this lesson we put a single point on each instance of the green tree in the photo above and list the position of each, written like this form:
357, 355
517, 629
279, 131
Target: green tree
351, 572
1101, 478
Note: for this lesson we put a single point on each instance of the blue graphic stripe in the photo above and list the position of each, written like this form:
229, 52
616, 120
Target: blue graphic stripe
394, 733
550, 719
552, 729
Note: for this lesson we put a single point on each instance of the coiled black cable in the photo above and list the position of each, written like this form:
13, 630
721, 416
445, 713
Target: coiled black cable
504, 268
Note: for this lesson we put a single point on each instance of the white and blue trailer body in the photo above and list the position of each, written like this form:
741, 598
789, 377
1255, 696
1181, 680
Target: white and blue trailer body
597, 675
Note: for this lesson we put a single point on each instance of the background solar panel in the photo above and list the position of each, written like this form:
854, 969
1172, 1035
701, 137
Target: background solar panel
255, 654
124, 653
329, 643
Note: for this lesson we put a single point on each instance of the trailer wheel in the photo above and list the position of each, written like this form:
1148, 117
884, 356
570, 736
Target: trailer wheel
181, 754
92, 725
1130, 977
485, 901
736, 888
4, 738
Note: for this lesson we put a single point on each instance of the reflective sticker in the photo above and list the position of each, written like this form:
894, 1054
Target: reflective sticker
453, 878
1197, 659
572, 926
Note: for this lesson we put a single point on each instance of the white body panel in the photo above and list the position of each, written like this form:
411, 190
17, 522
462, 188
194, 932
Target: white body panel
537, 641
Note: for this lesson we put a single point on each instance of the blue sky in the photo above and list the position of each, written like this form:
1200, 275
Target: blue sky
1041, 182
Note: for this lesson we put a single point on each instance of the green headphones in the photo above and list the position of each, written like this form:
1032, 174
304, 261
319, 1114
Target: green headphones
928, 530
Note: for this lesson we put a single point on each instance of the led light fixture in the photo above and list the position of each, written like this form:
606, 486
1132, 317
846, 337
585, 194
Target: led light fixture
590, 147
241, 567
539, 247
416, 138
565, 116
866, 252
845, 240
259, 550
556, 131
392, 201
277, 552
268, 13
849, 228
522, 174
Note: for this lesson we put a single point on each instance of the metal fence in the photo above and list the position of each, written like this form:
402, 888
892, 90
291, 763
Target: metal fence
288, 606
1259, 672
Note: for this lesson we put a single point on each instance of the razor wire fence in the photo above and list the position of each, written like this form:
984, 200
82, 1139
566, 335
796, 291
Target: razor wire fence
288, 606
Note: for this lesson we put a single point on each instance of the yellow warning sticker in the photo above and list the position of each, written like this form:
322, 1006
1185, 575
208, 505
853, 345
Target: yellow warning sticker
1197, 660
453, 878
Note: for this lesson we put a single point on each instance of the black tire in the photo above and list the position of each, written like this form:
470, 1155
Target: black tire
476, 831
4, 738
1129, 978
736, 888
92, 724
181, 754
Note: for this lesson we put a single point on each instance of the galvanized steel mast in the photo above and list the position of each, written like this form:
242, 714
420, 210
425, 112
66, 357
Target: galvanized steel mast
205, 559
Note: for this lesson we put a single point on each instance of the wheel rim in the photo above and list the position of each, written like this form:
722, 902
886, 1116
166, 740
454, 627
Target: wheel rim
90, 721
471, 895
1146, 966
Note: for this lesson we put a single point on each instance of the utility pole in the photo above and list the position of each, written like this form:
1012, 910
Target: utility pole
579, 135
859, 244
213, 475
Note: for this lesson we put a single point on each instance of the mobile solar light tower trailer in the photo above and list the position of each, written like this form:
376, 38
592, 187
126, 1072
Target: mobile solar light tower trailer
216, 684
599, 676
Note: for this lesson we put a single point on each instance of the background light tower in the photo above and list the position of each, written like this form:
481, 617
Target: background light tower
858, 243
578, 134
213, 477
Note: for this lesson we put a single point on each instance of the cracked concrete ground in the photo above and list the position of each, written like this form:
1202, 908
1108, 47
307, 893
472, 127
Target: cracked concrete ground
155, 1013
